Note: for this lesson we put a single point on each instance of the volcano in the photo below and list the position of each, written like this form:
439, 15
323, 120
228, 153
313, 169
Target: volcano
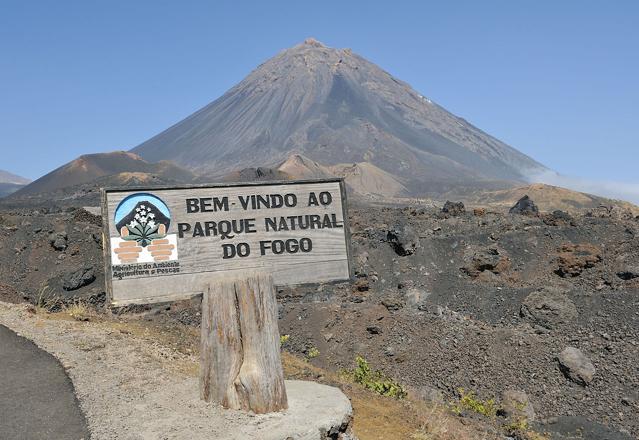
335, 107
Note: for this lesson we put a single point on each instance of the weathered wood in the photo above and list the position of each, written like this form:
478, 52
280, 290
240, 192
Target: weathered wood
240, 351
199, 256
181, 286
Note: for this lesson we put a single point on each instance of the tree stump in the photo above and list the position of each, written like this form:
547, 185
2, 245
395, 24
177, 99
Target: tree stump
240, 349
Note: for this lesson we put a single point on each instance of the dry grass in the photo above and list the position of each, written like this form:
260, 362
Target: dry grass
377, 417
438, 426
45, 301
79, 311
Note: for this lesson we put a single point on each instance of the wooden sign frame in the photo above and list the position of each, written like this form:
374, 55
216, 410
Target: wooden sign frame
200, 285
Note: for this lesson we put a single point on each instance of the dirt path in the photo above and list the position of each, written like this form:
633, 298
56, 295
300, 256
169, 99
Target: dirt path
130, 388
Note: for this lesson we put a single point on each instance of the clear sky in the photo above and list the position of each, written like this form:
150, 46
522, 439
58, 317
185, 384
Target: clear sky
558, 80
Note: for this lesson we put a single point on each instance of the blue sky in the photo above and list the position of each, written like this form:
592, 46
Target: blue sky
556, 80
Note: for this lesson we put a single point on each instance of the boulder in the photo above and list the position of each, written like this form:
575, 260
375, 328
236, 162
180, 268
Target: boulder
392, 303
558, 218
576, 366
486, 260
361, 285
83, 216
403, 239
515, 405
549, 308
558, 214
453, 208
629, 273
78, 278
579, 427
573, 259
58, 241
525, 206
374, 330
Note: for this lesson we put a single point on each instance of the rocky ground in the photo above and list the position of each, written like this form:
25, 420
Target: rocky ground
148, 390
544, 307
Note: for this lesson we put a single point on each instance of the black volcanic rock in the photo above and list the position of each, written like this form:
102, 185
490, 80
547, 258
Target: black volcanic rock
403, 239
333, 106
524, 206
79, 278
453, 208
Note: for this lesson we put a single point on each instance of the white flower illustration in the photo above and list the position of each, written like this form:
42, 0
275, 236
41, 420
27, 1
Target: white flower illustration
143, 227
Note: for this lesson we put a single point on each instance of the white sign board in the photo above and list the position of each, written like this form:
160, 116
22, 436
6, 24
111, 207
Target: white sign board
167, 243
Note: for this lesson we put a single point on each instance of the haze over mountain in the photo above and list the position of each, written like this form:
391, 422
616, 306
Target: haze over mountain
7, 177
546, 197
10, 183
333, 106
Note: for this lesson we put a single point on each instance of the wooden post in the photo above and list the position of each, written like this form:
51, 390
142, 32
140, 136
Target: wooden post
240, 349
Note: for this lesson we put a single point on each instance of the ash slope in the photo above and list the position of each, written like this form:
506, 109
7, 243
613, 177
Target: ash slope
95, 168
334, 106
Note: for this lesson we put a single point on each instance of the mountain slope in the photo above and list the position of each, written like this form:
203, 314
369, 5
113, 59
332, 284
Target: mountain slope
300, 167
122, 165
10, 183
365, 178
362, 178
547, 198
9, 188
333, 106
7, 177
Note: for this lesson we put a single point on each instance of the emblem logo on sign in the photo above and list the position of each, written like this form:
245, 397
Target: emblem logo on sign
143, 220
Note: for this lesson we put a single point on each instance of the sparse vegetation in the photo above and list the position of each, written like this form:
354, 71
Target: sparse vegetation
45, 300
531, 435
79, 311
375, 380
520, 428
381, 417
468, 401
436, 427
312, 353
520, 424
